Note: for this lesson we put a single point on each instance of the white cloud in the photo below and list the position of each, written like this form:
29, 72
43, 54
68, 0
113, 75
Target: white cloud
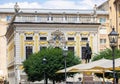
60, 4
29, 5
57, 4
8, 5
22, 5
89, 4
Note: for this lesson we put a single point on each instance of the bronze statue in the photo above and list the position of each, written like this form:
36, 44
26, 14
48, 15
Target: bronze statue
88, 53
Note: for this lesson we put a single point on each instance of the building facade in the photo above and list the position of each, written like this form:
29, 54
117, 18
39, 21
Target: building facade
3, 62
114, 15
33, 30
113, 6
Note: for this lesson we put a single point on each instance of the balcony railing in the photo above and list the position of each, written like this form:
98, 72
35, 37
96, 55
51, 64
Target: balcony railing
83, 19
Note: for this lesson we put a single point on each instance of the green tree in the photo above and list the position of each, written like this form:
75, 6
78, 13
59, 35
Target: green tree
107, 54
34, 67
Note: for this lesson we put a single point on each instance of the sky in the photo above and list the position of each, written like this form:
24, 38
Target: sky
52, 4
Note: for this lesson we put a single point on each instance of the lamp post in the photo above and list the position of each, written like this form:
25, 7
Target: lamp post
113, 38
44, 62
65, 52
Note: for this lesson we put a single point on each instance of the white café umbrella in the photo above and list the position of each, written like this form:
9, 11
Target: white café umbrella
89, 67
86, 67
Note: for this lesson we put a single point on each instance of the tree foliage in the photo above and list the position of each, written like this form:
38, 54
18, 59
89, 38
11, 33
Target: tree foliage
107, 54
34, 67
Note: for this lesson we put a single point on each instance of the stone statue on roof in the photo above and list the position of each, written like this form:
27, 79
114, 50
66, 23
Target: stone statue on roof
16, 8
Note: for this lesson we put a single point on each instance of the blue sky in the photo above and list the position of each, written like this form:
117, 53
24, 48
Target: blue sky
39, 1
13, 1
53, 4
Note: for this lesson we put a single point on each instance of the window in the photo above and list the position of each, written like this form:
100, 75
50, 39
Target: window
71, 49
48, 18
103, 31
65, 18
102, 41
57, 47
51, 18
70, 38
84, 39
38, 18
42, 47
29, 50
29, 38
102, 20
74, 18
83, 52
43, 38
8, 18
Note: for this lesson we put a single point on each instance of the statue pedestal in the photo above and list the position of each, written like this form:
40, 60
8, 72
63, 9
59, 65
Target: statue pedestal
87, 78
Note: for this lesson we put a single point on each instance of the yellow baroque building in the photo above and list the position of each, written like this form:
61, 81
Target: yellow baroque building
34, 29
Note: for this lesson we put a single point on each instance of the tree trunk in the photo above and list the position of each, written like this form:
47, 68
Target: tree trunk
53, 81
46, 80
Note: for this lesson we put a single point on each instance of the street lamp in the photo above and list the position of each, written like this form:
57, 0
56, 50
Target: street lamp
113, 38
65, 53
44, 60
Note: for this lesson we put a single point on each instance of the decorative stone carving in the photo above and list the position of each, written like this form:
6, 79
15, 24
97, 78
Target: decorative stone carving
29, 33
43, 42
71, 43
83, 43
84, 33
57, 39
29, 42
43, 33
71, 33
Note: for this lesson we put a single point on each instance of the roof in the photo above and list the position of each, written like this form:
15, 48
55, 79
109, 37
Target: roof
53, 11
104, 6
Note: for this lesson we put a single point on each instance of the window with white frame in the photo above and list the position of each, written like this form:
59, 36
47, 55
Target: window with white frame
83, 52
29, 51
102, 41
29, 38
84, 39
42, 47
70, 38
71, 48
43, 38
8, 18
102, 20
103, 31
52, 18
